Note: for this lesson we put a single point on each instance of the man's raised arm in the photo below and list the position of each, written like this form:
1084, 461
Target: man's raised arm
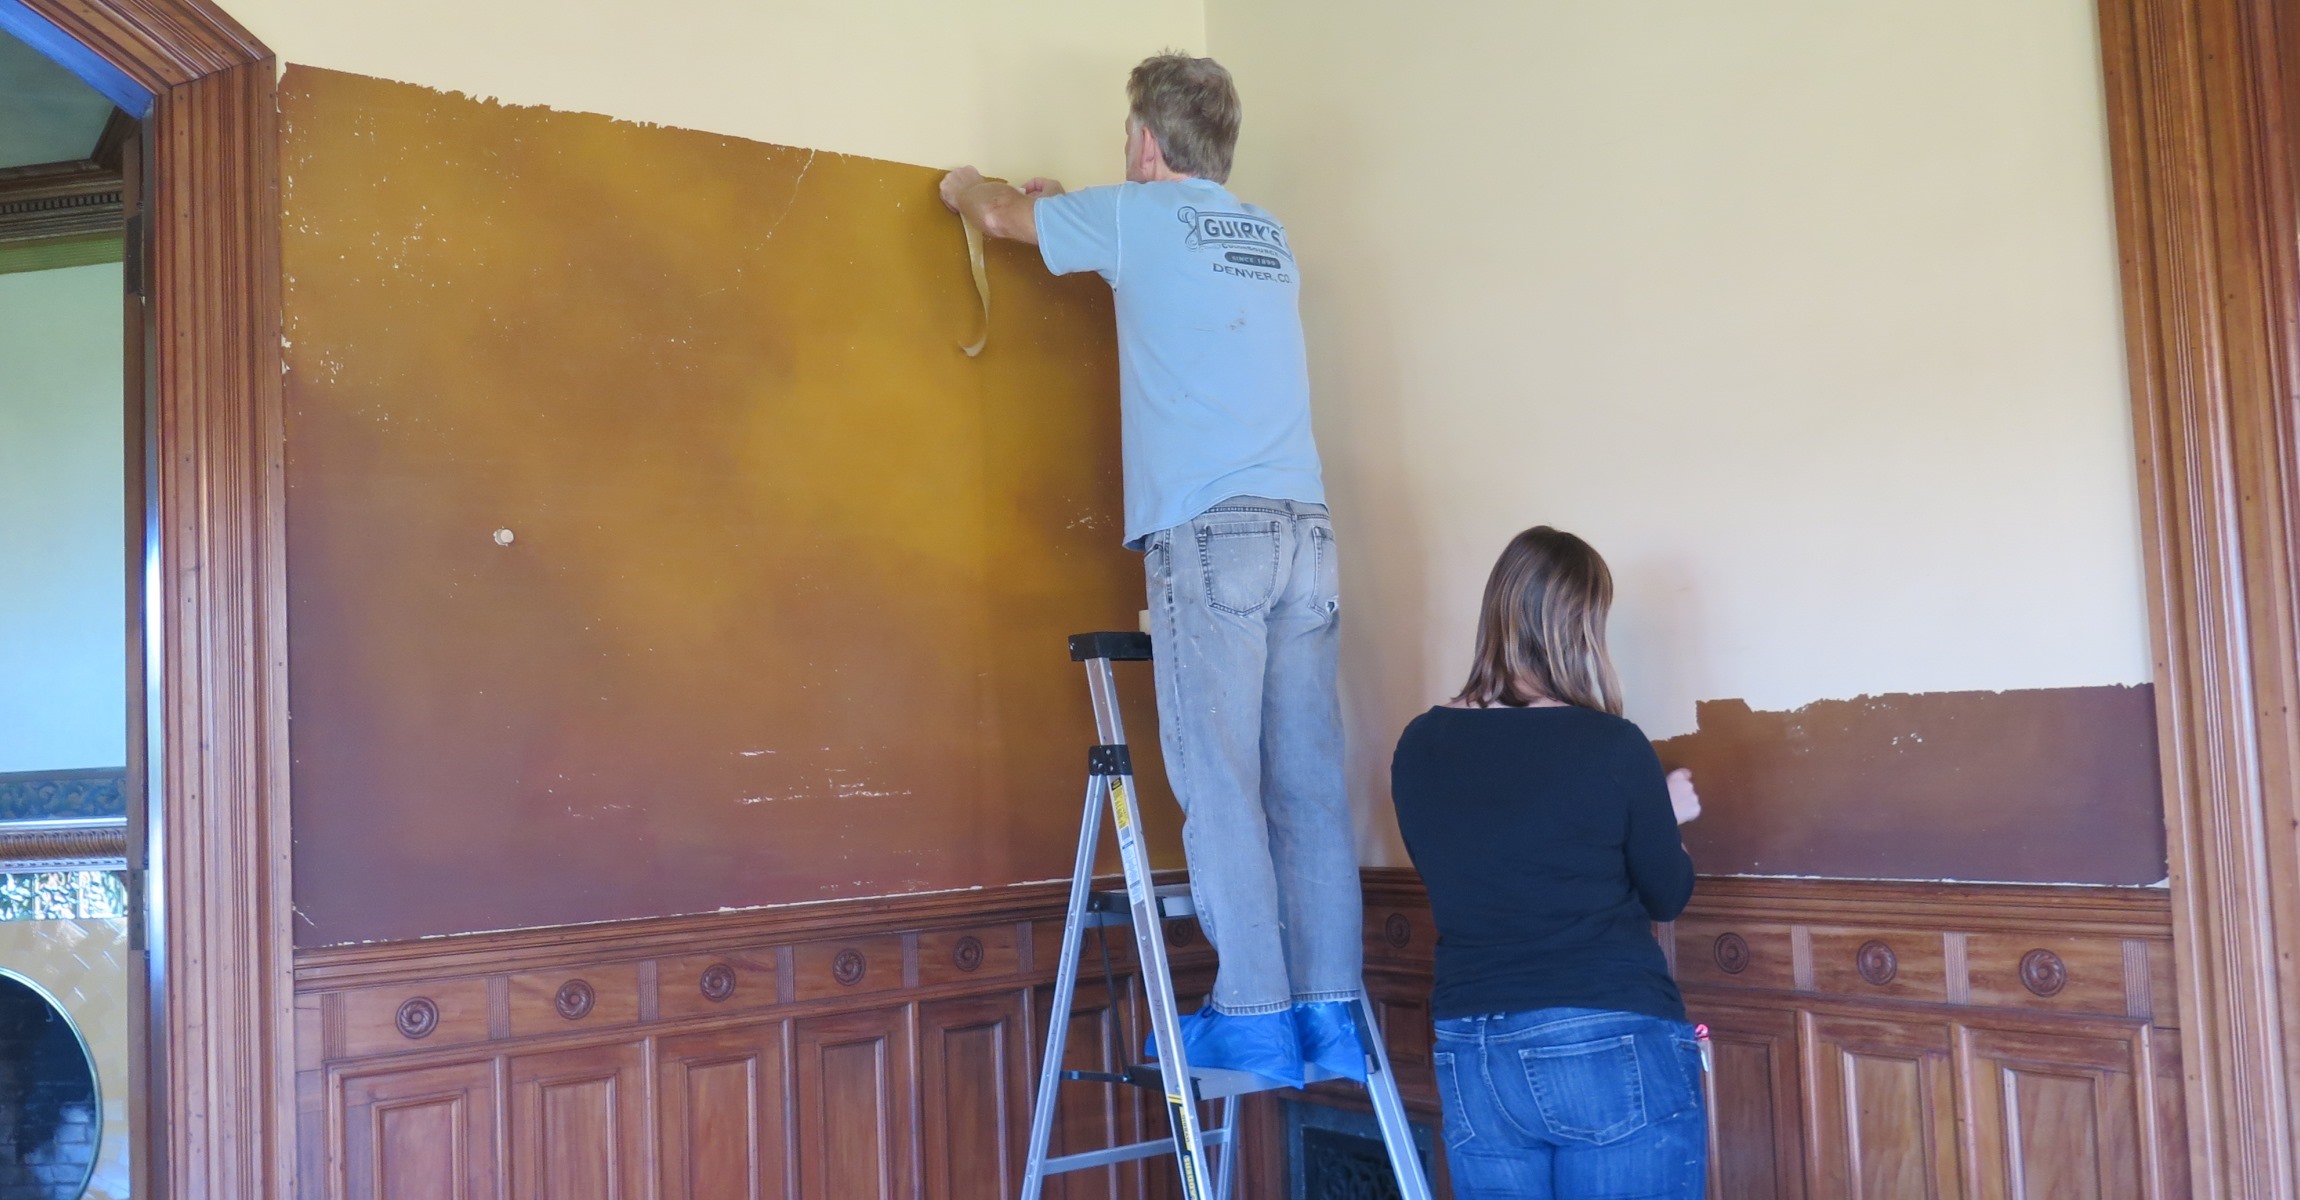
998, 209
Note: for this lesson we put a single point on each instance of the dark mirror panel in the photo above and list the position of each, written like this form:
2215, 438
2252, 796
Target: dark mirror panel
50, 1119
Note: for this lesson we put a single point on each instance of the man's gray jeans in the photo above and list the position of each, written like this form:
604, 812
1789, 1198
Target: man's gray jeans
1245, 618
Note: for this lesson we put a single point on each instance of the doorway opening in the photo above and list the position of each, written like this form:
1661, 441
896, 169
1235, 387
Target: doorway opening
72, 976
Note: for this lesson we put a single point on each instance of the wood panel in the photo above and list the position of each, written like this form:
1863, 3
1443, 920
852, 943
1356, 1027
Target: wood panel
855, 1096
957, 955
1755, 1104
599, 995
1734, 953
385, 1020
858, 965
1880, 963
974, 1093
1880, 1107
425, 1134
2055, 1113
736, 981
725, 1130
578, 1124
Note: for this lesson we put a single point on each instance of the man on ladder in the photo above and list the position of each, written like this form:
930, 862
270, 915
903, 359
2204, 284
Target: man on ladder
1225, 498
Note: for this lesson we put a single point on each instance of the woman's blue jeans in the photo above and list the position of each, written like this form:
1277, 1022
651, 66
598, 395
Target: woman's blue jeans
1572, 1103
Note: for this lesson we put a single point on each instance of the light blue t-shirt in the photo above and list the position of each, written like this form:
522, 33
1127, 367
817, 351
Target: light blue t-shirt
1213, 383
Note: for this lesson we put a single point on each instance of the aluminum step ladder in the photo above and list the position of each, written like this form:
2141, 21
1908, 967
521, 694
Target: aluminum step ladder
1110, 781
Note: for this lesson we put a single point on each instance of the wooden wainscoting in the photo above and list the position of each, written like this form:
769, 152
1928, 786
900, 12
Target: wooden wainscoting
875, 1049
1895, 1039
1873, 1039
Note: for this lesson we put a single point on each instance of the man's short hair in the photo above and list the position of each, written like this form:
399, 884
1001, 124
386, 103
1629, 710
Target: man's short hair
1192, 105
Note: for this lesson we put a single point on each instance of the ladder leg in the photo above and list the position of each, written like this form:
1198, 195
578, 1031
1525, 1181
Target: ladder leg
1226, 1175
1389, 1107
1158, 986
1065, 987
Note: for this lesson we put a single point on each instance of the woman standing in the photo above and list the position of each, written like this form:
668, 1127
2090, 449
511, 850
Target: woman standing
1546, 833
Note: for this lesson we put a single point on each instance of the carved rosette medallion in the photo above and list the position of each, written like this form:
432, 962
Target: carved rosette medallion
2042, 972
848, 967
1398, 931
1731, 952
574, 1000
717, 983
1877, 963
417, 1018
967, 954
1180, 933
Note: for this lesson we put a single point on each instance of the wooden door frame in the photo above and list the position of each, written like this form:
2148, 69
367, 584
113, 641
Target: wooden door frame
217, 1084
2198, 129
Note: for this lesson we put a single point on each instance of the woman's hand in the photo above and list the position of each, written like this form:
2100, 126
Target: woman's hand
1683, 800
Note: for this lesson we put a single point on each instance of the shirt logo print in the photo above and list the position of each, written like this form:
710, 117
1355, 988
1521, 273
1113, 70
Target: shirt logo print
1257, 242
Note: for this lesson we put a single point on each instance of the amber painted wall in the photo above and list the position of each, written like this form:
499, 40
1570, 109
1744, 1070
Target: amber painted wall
780, 613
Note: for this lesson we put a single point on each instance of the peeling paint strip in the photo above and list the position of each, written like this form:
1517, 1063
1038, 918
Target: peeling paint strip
981, 281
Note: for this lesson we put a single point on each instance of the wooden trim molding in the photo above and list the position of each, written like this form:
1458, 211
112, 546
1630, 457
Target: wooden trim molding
213, 862
68, 844
58, 200
2202, 162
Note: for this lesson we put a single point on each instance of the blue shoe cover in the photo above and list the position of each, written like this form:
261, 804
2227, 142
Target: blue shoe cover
1329, 1038
1263, 1044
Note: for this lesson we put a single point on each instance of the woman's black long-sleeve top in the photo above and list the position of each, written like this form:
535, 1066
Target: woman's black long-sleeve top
1547, 843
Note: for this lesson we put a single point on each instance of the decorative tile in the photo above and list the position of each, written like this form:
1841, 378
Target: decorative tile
31, 795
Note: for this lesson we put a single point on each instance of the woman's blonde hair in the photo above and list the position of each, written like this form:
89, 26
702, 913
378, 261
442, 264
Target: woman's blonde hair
1541, 627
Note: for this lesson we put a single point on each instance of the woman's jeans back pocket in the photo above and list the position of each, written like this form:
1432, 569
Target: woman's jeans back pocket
1460, 1125
1588, 1091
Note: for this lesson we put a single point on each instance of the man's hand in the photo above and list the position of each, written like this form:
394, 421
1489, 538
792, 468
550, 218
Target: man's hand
999, 209
1683, 800
955, 184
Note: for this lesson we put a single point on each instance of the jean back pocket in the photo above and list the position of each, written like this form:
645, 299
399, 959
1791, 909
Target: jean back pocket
1588, 1091
1241, 565
1452, 1104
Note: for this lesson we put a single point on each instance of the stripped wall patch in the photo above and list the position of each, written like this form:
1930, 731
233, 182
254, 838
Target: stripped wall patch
2045, 785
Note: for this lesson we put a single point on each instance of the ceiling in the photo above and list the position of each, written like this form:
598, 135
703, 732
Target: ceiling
46, 114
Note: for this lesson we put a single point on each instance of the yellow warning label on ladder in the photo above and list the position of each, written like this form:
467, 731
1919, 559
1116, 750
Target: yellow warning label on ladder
1185, 1131
1118, 805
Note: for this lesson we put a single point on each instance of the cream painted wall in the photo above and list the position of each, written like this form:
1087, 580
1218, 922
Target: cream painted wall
1804, 313
1015, 86
63, 540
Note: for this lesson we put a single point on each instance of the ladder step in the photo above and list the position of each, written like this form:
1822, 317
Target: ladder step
1114, 908
1213, 1083
1087, 1160
1117, 647
1217, 1084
